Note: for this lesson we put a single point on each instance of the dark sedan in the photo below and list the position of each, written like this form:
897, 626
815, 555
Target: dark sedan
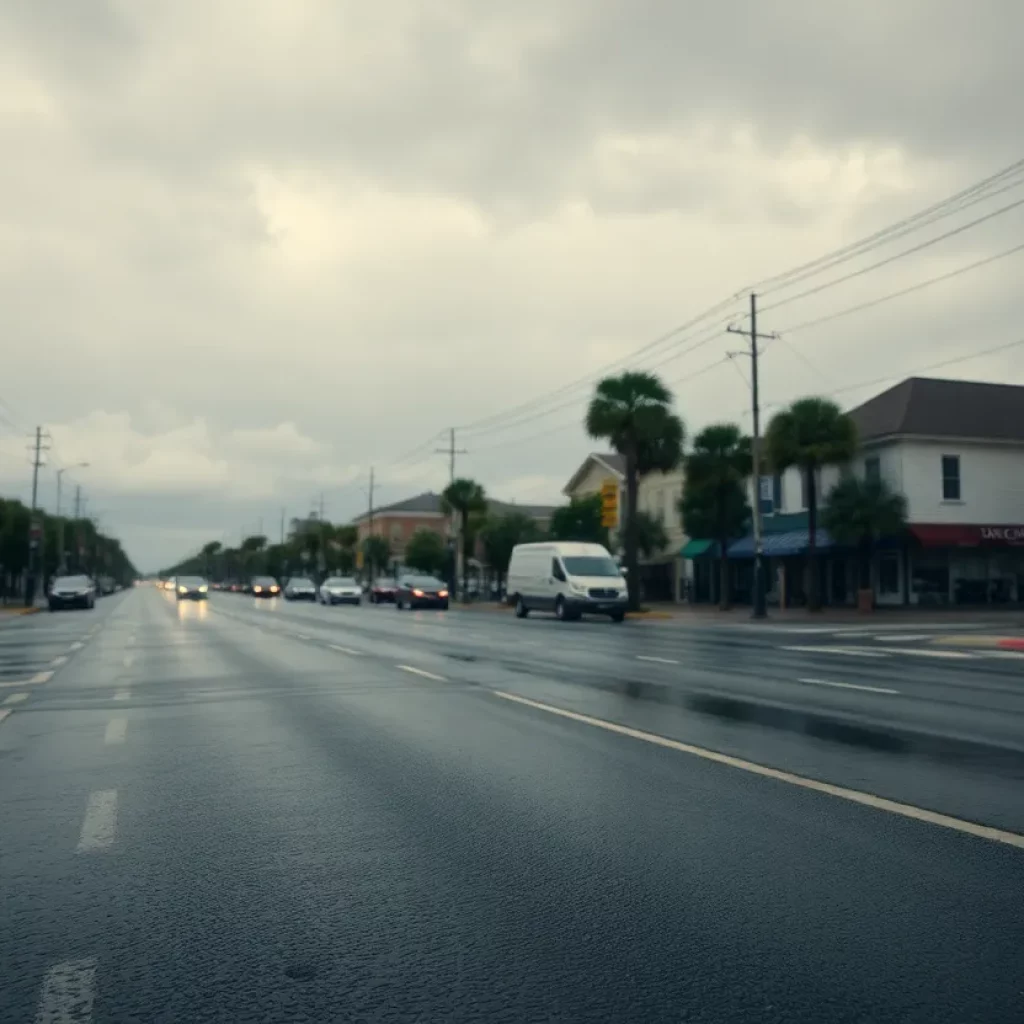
264, 586
383, 590
421, 592
191, 588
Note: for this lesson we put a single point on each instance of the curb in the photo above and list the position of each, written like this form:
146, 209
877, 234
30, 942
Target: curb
20, 611
1011, 643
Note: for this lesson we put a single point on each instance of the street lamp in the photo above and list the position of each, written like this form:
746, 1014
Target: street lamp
60, 520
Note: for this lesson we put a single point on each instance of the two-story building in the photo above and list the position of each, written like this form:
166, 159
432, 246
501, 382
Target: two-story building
658, 495
955, 450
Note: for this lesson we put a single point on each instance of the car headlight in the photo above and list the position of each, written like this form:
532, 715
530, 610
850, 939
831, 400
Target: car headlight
182, 590
257, 590
577, 588
203, 590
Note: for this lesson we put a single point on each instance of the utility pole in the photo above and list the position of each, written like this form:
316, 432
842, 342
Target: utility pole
760, 610
451, 451
282, 524
35, 533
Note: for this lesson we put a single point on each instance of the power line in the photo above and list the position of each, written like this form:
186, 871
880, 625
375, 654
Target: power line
898, 256
956, 203
902, 291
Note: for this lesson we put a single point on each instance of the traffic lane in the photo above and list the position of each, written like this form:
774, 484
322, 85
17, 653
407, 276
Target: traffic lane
31, 644
945, 698
937, 758
410, 851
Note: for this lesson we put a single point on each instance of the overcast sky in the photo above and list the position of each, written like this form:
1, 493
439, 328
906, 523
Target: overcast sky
249, 248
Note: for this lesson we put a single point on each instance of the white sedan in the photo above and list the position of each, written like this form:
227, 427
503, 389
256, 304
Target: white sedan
340, 590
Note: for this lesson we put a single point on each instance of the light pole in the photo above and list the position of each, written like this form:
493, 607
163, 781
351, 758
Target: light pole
60, 520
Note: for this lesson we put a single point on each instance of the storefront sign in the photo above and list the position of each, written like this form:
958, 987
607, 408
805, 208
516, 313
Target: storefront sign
950, 535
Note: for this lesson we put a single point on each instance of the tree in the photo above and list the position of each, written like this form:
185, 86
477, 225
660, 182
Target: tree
426, 552
810, 434
376, 554
464, 498
859, 513
633, 412
714, 502
501, 534
579, 520
651, 538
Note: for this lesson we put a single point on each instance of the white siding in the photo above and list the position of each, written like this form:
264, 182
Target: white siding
991, 480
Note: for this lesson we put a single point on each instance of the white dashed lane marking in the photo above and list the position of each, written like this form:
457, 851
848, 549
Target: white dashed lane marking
847, 686
100, 823
68, 993
60, 660
344, 650
660, 661
421, 672
853, 652
116, 729
16, 698
122, 695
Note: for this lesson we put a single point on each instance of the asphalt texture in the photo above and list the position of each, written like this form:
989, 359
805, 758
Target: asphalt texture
244, 810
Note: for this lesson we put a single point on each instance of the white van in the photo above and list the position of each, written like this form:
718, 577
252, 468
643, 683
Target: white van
566, 578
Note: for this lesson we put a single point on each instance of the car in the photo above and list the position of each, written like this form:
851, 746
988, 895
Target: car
71, 592
264, 586
568, 578
383, 590
340, 590
421, 592
299, 588
191, 588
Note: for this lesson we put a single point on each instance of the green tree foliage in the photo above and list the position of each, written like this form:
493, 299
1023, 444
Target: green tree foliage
501, 534
714, 503
859, 513
651, 538
376, 555
579, 520
426, 552
633, 412
810, 434
464, 498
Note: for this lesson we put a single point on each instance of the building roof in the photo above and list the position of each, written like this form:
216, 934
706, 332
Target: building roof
611, 461
929, 407
430, 504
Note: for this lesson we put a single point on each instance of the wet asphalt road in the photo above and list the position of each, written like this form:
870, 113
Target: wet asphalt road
251, 811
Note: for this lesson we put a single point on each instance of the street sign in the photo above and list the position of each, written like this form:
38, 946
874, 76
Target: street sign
36, 530
610, 503
359, 558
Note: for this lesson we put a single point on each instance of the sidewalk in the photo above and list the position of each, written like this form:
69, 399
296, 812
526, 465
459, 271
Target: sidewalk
1007, 621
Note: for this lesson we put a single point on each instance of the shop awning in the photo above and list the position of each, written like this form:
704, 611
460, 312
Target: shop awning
779, 545
696, 547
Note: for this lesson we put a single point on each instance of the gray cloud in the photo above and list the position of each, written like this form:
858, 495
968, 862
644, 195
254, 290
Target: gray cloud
374, 221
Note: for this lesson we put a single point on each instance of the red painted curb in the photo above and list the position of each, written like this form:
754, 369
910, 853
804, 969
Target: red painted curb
1012, 644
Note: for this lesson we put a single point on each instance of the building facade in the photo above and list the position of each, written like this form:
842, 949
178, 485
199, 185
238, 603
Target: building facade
955, 451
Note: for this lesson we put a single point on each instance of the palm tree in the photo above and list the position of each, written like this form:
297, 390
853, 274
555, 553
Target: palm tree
810, 434
464, 498
859, 513
714, 502
634, 413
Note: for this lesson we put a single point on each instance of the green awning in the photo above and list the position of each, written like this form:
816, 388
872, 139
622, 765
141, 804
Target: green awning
695, 548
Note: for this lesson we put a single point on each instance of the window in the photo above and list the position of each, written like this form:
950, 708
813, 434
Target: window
777, 492
888, 573
950, 477
556, 570
872, 469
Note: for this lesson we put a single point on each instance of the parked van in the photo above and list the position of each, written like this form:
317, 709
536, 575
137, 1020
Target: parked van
566, 578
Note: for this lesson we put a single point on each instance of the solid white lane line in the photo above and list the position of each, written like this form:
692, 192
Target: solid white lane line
853, 795
1009, 655
847, 686
902, 638
122, 695
660, 661
854, 652
928, 653
422, 672
68, 993
100, 823
16, 698
116, 729
344, 650
59, 661
41, 677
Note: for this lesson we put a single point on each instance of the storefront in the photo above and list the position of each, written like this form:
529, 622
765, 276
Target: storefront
966, 564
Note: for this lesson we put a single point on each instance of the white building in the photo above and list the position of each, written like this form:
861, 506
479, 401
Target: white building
955, 450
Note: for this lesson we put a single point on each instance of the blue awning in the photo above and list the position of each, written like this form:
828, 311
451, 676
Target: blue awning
780, 545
